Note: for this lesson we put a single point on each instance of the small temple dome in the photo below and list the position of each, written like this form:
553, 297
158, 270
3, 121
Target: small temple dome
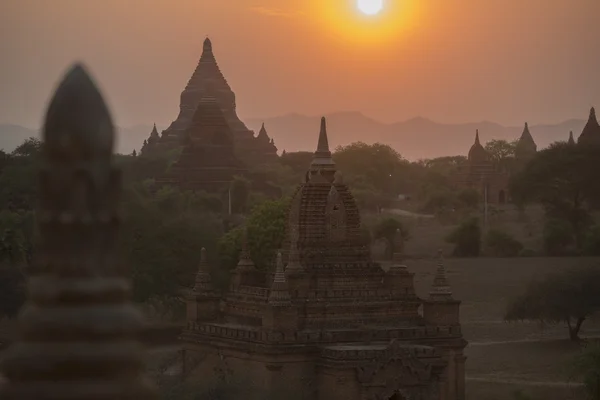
477, 154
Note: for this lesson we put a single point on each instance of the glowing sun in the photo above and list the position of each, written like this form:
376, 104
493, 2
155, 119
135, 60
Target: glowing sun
370, 7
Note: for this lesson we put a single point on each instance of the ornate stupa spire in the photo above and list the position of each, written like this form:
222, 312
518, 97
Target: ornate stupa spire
441, 288
203, 279
477, 137
245, 262
322, 161
280, 294
571, 140
78, 329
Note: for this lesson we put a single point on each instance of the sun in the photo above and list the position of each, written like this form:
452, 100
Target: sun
370, 7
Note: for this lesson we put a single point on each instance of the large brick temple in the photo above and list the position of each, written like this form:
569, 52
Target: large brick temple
329, 323
208, 81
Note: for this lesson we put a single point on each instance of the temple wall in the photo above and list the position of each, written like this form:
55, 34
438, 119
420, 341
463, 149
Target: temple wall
338, 384
258, 377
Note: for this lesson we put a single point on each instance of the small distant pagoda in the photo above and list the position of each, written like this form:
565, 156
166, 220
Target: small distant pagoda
483, 174
332, 324
591, 131
526, 148
208, 81
207, 161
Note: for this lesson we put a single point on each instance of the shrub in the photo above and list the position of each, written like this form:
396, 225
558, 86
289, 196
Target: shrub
501, 244
466, 239
558, 236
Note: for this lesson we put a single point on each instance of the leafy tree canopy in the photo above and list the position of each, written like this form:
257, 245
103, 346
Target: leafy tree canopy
563, 179
570, 296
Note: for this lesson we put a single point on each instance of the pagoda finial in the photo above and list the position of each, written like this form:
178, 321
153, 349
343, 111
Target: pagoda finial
263, 132
78, 328
477, 137
203, 279
571, 138
280, 294
154, 133
323, 144
322, 160
207, 46
441, 287
207, 52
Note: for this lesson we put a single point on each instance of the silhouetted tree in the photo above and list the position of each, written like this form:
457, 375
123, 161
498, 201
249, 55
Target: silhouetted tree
564, 179
570, 296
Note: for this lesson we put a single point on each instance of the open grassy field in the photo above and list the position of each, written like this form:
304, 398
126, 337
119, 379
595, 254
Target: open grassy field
505, 357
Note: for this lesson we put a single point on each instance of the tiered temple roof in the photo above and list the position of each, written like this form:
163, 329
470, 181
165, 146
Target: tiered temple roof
207, 161
591, 132
208, 81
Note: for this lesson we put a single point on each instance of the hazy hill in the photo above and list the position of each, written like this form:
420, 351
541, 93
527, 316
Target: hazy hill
415, 138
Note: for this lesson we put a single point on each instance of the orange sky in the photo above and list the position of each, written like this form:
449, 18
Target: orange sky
449, 60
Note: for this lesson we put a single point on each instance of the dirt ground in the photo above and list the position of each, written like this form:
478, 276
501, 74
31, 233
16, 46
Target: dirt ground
508, 357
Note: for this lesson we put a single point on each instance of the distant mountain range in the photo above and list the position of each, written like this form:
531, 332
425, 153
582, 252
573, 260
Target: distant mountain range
414, 139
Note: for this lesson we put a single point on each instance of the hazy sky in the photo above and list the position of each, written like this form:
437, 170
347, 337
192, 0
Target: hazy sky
450, 60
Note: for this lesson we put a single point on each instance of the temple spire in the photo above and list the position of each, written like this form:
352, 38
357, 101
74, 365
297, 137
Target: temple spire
262, 134
571, 139
203, 279
591, 131
280, 294
323, 145
477, 137
154, 133
207, 51
322, 163
441, 288
526, 147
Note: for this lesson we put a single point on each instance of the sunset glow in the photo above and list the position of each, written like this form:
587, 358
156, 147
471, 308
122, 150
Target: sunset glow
368, 21
370, 7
